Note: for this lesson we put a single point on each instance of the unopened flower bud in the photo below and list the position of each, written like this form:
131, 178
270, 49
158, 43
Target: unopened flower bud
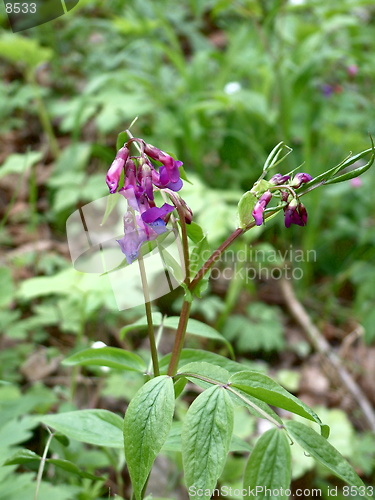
179, 203
114, 171
260, 206
278, 179
171, 165
295, 213
299, 179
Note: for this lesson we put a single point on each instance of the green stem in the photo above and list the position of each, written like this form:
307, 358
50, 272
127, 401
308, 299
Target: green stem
43, 115
42, 464
150, 326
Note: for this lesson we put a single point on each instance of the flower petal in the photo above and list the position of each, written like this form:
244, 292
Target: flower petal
154, 213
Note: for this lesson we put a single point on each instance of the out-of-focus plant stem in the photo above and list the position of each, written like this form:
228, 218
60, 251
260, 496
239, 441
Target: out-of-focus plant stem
43, 114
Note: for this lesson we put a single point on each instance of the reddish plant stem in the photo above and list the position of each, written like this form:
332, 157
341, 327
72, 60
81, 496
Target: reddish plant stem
181, 329
216, 254
180, 338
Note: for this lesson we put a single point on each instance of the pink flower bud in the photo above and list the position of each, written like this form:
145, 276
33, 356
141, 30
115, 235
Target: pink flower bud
114, 171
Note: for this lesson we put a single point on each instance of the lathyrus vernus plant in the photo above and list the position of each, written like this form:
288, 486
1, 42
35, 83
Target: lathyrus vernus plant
208, 426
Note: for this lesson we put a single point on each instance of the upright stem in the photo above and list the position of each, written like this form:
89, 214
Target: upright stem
43, 115
180, 338
184, 317
150, 326
42, 464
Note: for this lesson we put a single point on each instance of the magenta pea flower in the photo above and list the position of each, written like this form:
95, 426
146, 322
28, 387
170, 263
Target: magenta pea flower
170, 173
144, 221
260, 206
295, 213
299, 179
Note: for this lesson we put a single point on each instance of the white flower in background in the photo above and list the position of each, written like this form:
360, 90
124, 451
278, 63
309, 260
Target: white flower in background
232, 87
297, 2
98, 344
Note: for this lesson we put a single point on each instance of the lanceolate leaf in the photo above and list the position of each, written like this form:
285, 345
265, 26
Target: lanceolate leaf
269, 465
141, 324
319, 448
202, 373
194, 327
257, 407
147, 423
100, 427
26, 457
262, 387
173, 442
206, 436
107, 356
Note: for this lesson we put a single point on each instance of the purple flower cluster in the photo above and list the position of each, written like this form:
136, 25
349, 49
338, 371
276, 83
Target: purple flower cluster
141, 178
294, 211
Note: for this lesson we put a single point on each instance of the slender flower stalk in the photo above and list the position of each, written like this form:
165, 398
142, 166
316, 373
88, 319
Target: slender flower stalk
150, 326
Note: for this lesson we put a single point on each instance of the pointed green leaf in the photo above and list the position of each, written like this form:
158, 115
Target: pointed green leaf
112, 357
273, 157
264, 388
204, 374
269, 465
328, 176
319, 448
100, 427
141, 324
206, 436
256, 407
122, 138
195, 232
73, 469
147, 423
22, 457
173, 442
195, 327
112, 201
25, 457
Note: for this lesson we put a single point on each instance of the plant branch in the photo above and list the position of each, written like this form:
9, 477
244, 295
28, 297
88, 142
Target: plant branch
321, 345
219, 251
215, 256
